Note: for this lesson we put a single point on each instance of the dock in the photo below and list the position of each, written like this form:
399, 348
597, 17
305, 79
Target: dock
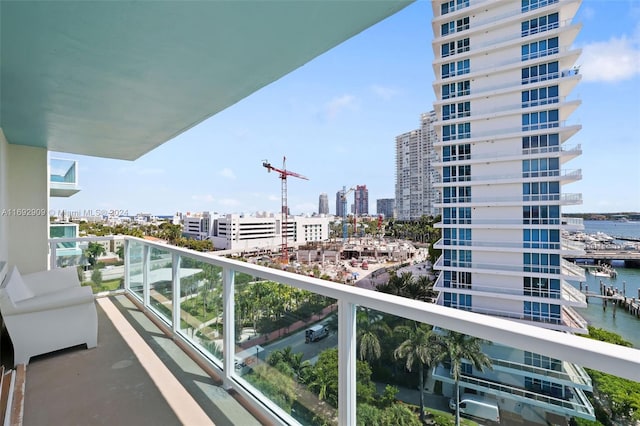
611, 295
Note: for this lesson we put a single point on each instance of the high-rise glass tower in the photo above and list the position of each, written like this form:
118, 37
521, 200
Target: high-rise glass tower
361, 197
416, 194
323, 204
504, 76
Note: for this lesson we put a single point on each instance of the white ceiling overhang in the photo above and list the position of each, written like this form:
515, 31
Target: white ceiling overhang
118, 78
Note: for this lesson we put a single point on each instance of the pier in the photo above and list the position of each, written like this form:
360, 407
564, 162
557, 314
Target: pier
631, 259
611, 295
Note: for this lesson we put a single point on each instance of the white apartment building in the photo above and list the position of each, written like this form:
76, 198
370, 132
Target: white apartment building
264, 232
504, 75
197, 226
416, 194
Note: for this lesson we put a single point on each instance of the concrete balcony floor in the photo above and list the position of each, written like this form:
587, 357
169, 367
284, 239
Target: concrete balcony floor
136, 375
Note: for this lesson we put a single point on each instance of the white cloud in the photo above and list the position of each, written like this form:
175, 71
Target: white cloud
229, 202
208, 198
385, 93
339, 104
273, 198
227, 173
610, 61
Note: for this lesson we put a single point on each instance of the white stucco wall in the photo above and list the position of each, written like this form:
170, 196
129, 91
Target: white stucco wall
26, 186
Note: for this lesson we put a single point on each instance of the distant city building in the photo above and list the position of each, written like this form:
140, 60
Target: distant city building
386, 207
416, 194
361, 200
323, 204
197, 226
264, 232
339, 204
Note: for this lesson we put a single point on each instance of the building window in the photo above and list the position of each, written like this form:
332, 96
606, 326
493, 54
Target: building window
540, 143
542, 361
453, 216
541, 215
459, 194
541, 191
456, 173
457, 258
542, 312
541, 238
541, 287
459, 301
540, 167
457, 110
540, 24
453, 5
454, 26
540, 120
455, 68
457, 236
539, 49
542, 72
528, 5
543, 263
453, 132
540, 96
453, 90
456, 152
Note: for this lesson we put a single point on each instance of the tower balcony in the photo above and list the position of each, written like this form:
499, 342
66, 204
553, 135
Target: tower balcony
513, 200
566, 270
63, 177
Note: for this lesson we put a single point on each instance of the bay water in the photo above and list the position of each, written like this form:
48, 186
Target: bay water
623, 324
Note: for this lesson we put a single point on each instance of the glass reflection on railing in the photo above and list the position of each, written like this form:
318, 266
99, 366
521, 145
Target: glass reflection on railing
201, 305
287, 347
160, 280
135, 267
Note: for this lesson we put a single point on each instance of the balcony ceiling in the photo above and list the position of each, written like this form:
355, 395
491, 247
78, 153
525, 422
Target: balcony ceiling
118, 78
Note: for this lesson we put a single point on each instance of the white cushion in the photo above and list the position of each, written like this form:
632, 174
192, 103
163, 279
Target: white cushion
15, 287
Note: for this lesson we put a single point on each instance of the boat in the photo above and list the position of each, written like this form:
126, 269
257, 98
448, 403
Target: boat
603, 271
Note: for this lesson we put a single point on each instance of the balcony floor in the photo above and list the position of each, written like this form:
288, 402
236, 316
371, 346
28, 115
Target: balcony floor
128, 379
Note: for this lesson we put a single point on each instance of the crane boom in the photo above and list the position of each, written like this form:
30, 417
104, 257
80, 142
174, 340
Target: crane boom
283, 174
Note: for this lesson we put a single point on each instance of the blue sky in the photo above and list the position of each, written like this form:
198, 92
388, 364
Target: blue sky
336, 119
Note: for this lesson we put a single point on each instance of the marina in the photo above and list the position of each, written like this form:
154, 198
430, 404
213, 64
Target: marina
602, 311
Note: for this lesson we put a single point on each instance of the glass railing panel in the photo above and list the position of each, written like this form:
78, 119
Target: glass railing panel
99, 261
160, 281
287, 347
390, 373
201, 305
135, 262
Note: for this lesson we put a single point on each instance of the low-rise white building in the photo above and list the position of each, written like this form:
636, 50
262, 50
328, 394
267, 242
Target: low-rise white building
264, 231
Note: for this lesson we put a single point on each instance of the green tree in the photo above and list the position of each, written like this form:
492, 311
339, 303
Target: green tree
420, 346
459, 347
369, 331
120, 252
96, 277
93, 251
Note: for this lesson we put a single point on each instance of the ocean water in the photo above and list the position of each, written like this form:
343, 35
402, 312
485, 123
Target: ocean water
623, 324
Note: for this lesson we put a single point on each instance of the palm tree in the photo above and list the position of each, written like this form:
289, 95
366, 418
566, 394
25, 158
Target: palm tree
459, 346
421, 346
369, 333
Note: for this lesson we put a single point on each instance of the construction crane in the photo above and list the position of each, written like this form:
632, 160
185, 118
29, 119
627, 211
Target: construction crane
343, 198
283, 174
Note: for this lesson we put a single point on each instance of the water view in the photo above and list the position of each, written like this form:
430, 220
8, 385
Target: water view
628, 278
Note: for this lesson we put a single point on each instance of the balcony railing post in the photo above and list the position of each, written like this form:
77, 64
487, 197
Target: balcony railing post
127, 263
228, 321
146, 256
53, 257
347, 363
175, 301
